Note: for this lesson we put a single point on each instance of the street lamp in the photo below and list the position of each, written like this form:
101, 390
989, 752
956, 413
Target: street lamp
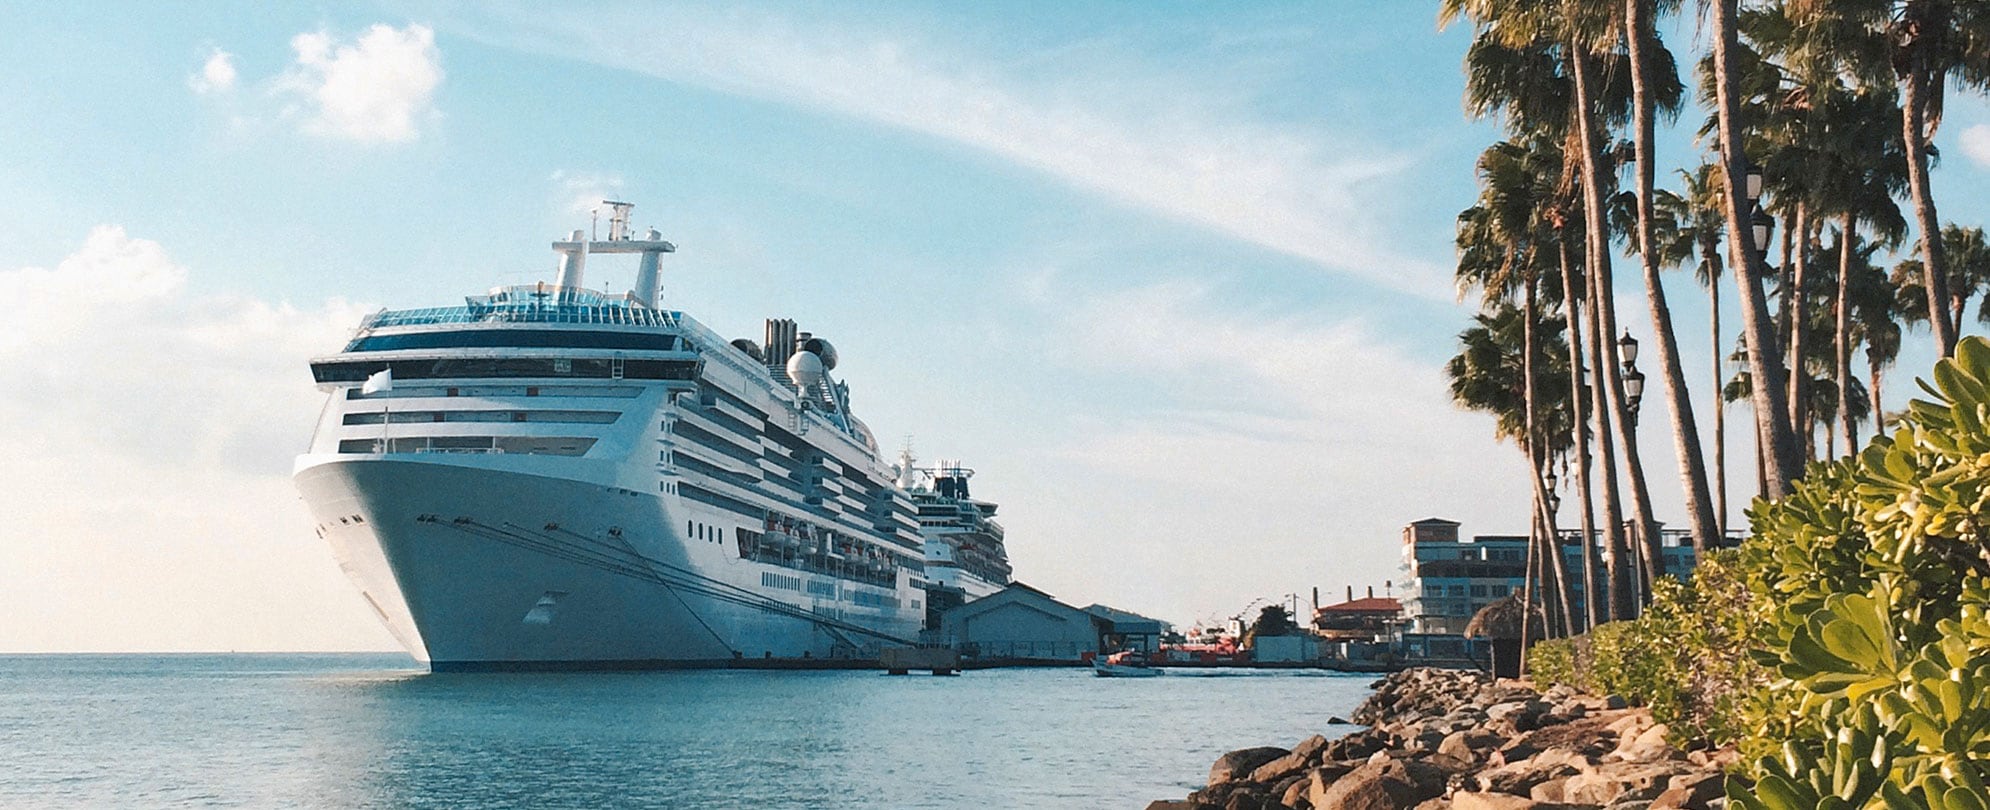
1627, 349
1752, 180
1634, 392
1762, 224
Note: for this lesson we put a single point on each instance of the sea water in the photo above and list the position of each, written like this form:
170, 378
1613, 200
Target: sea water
376, 731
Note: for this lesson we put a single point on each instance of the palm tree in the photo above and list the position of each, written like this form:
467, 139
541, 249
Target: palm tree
1656, 89
1783, 462
1528, 65
1968, 253
1920, 46
1689, 230
1876, 315
1505, 242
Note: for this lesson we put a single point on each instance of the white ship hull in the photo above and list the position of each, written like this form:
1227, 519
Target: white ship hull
475, 564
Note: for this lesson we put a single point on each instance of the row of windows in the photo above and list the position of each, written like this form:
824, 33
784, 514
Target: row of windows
518, 338
772, 580
1456, 591
559, 417
527, 445
872, 599
500, 391
479, 367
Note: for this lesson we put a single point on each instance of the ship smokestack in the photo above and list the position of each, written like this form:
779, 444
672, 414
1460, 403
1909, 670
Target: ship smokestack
1371, 592
1350, 593
649, 272
573, 261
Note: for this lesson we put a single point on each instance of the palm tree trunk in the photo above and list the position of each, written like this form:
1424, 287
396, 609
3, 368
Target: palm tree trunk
1616, 562
1708, 256
1798, 299
1784, 464
1848, 230
1934, 273
1685, 430
1601, 294
1879, 411
1592, 603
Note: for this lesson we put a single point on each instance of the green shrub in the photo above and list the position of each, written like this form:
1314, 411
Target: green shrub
1686, 658
1876, 580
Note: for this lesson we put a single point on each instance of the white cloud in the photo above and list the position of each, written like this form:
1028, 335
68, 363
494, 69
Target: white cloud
217, 75
1276, 451
579, 193
1976, 144
378, 88
154, 510
1157, 144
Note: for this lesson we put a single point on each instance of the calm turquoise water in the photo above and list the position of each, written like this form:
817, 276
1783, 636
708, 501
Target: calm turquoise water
372, 731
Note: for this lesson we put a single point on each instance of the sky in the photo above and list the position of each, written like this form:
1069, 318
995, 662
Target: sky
1173, 278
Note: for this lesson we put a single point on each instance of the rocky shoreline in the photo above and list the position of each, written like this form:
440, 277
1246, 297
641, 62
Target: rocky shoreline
1458, 739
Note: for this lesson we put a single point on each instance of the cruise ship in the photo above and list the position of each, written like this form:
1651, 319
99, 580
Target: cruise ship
965, 556
550, 476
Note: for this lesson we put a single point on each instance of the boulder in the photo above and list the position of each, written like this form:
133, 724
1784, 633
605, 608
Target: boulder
1359, 745
1519, 778
1490, 801
1620, 782
1239, 763
1691, 791
1171, 804
1648, 746
1387, 784
1471, 745
1301, 755
1292, 791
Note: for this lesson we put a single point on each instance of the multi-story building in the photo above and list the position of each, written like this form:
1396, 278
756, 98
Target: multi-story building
1450, 579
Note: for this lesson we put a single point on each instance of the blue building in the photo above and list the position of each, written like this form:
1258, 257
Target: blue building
1450, 579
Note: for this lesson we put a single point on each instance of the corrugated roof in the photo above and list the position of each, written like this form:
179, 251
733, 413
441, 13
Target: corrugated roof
1369, 604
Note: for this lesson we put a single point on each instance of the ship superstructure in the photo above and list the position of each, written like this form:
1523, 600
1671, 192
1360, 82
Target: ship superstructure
554, 476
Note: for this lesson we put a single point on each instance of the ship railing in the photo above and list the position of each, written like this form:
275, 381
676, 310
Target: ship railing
523, 313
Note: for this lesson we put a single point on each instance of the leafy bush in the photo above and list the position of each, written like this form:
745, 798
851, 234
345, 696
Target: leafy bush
1686, 658
1877, 579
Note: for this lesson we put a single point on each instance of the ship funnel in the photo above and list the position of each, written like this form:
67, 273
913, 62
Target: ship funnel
573, 261
780, 342
648, 272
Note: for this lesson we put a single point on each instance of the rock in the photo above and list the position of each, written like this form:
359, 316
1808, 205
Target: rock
1648, 746
1246, 797
1614, 702
1303, 754
1171, 804
1549, 791
1691, 791
1615, 782
1238, 763
1292, 791
1491, 801
1385, 785
1471, 745
1359, 745
1338, 721
1518, 778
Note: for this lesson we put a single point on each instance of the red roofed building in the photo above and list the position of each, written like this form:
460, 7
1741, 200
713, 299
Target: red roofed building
1369, 619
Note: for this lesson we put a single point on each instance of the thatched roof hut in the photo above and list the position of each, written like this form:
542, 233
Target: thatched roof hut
1501, 619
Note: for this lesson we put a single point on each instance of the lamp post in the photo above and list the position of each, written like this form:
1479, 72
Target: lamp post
1634, 380
1752, 180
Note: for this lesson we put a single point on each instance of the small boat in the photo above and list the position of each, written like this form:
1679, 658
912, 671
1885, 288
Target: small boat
1124, 664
